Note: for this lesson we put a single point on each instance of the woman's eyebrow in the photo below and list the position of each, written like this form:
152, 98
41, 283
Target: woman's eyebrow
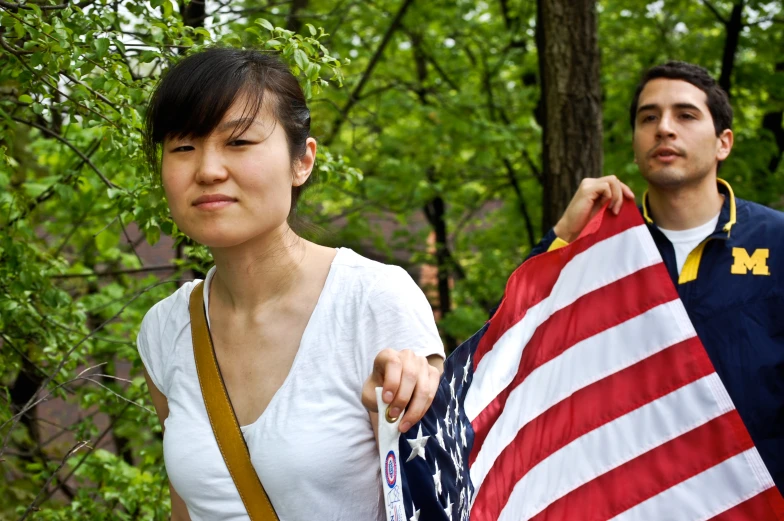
237, 123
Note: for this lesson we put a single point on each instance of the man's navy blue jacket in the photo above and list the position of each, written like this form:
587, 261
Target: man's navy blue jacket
732, 286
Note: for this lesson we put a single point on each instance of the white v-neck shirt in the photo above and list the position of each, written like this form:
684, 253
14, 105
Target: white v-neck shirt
313, 446
684, 241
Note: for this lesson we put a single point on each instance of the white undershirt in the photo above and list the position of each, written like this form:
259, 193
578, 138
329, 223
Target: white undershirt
684, 241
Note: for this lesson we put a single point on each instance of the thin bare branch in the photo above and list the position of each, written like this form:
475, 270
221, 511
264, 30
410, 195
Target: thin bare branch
70, 145
715, 12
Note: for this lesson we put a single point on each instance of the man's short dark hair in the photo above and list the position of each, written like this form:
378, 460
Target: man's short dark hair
718, 101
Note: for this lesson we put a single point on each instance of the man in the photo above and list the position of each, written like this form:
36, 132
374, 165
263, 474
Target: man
725, 255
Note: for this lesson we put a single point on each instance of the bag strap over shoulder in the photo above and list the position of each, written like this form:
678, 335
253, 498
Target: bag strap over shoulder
224, 423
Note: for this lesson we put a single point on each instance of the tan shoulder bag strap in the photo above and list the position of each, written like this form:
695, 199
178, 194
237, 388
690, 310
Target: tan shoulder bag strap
224, 422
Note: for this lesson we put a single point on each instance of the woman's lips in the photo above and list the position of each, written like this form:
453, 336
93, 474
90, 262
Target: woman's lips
213, 202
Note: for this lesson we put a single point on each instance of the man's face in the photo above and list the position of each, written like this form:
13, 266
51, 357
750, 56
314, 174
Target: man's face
675, 142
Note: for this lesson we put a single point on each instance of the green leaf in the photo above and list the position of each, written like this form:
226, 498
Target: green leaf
265, 24
101, 45
152, 234
25, 98
311, 29
301, 59
167, 9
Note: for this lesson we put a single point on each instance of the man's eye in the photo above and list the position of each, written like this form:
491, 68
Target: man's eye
239, 143
183, 148
686, 115
648, 118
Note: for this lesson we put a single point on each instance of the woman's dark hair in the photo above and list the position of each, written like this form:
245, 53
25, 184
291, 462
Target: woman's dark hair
718, 101
195, 94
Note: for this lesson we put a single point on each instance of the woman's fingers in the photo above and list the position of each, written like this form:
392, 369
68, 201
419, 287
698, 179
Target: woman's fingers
409, 382
422, 396
408, 372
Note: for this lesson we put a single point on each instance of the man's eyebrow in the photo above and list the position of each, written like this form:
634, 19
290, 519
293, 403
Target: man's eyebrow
681, 106
236, 123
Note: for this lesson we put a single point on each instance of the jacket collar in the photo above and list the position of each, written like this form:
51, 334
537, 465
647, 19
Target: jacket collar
727, 217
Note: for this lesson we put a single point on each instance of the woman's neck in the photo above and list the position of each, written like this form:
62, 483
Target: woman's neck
259, 271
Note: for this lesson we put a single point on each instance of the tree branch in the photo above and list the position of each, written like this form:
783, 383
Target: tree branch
715, 12
70, 145
354, 96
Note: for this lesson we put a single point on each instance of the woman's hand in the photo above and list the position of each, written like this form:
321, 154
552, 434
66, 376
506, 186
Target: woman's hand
409, 381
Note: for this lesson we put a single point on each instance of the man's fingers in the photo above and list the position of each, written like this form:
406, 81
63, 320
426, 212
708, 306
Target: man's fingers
617, 195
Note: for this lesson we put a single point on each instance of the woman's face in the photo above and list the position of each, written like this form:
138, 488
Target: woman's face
225, 189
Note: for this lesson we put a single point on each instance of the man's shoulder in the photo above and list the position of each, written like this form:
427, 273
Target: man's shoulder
755, 216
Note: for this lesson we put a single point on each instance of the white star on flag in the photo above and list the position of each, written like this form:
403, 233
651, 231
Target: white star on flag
463, 434
440, 436
452, 386
465, 369
417, 445
416, 512
448, 508
437, 479
448, 421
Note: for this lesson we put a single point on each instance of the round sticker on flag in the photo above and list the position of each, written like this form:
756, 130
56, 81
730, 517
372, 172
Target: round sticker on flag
391, 469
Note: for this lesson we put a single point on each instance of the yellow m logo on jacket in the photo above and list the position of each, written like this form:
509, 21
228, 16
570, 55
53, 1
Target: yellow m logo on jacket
757, 262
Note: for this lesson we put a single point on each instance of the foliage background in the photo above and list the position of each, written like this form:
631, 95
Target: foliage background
428, 117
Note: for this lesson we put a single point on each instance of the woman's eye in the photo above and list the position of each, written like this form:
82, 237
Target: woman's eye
239, 143
183, 148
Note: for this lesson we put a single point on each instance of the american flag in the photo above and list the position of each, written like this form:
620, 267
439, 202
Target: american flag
587, 396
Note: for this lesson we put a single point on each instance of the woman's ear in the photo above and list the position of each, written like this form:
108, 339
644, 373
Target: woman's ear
304, 165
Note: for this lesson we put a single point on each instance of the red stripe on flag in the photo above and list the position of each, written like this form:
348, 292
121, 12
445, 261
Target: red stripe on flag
593, 313
532, 282
651, 473
767, 506
586, 410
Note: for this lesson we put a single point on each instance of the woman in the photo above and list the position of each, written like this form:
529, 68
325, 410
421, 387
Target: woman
302, 333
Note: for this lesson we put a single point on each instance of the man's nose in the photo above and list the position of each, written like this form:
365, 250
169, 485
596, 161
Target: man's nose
665, 127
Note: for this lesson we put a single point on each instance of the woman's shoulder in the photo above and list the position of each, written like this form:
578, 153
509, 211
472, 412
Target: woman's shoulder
368, 275
169, 312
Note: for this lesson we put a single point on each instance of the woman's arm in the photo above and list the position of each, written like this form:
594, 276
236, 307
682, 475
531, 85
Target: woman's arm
179, 510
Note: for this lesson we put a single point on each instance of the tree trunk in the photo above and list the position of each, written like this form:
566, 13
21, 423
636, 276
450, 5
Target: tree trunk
570, 104
734, 27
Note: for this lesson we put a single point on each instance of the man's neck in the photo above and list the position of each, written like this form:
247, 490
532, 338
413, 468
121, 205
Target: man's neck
685, 207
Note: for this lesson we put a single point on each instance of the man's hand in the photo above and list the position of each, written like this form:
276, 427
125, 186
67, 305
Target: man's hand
409, 382
589, 199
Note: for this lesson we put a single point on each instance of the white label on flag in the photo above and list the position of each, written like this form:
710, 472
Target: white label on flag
389, 457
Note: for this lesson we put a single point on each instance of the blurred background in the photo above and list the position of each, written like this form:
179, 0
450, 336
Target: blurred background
452, 135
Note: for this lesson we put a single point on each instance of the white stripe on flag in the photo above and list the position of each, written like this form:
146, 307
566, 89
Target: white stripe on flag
705, 495
586, 362
612, 445
604, 263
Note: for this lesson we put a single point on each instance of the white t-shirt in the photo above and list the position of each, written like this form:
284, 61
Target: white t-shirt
684, 241
313, 446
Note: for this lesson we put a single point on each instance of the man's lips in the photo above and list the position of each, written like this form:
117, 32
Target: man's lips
213, 201
666, 154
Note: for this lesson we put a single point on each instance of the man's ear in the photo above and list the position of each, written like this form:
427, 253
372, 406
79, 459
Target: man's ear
304, 165
725, 141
